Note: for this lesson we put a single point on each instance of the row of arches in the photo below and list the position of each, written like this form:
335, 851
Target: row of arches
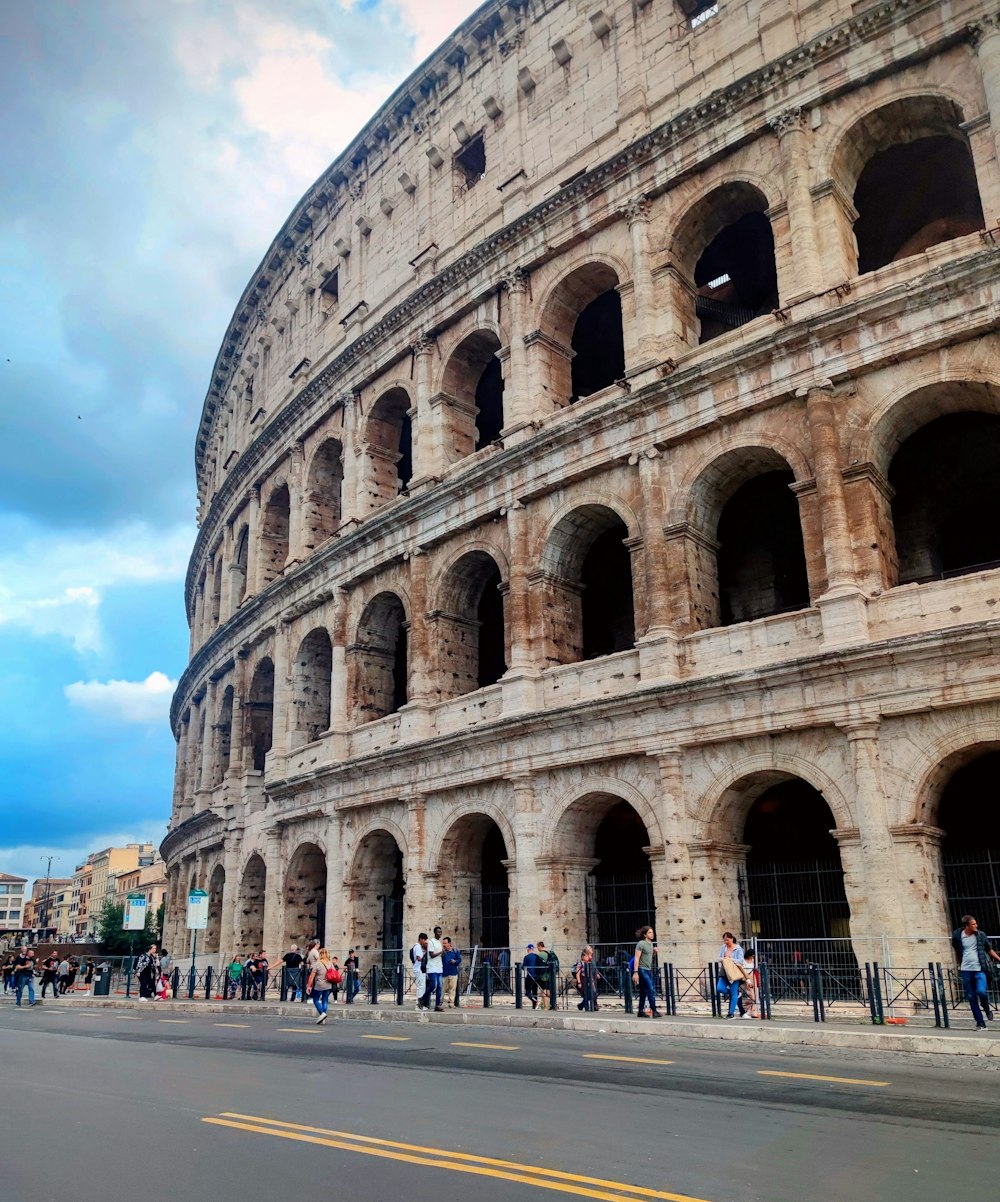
788, 881
724, 250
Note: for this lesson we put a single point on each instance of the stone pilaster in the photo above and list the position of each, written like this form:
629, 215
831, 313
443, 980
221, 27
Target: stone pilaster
986, 37
274, 893
428, 462
296, 506
230, 898
642, 350
790, 127
657, 641
525, 898
517, 399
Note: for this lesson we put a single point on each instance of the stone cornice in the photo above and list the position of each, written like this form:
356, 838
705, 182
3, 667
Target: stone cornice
757, 86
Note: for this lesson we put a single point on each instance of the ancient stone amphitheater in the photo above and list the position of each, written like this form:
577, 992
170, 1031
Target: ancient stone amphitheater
599, 498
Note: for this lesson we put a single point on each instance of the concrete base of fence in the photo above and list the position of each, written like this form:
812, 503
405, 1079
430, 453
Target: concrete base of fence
954, 1042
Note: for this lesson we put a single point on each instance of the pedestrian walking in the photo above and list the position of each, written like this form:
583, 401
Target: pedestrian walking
352, 970
148, 970
337, 978
731, 974
451, 961
8, 973
434, 970
24, 976
548, 963
751, 986
530, 966
974, 955
66, 975
292, 969
586, 977
418, 963
642, 974
320, 984
50, 971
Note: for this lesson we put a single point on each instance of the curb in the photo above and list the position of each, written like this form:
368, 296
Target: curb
768, 1033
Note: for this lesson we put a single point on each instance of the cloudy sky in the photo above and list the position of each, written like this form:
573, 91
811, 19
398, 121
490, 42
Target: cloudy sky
150, 151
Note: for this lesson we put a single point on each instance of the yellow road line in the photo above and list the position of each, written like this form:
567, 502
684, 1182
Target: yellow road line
456, 1162
766, 1072
128, 1018
172, 1020
376, 1145
497, 1047
389, 1038
236, 1026
299, 1030
626, 1059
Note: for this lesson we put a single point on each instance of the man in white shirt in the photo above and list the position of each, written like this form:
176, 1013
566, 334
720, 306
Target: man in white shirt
435, 967
417, 966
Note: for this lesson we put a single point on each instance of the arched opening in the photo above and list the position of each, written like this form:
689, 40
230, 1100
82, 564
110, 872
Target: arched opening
947, 492
761, 557
250, 919
379, 660
274, 535
390, 448
970, 854
313, 669
473, 395
620, 889
223, 735
259, 718
240, 561
471, 635
305, 896
377, 891
583, 350
589, 607
910, 170
726, 247
473, 881
216, 892
794, 879
321, 511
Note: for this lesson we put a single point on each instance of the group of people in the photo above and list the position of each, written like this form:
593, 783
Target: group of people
314, 973
59, 973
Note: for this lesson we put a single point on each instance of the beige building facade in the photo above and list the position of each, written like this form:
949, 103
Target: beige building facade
596, 487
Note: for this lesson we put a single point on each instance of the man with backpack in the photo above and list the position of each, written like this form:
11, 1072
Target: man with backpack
530, 965
418, 966
548, 976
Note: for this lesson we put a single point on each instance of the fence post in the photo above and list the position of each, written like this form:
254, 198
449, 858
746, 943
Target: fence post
399, 984
945, 1016
934, 995
670, 988
765, 990
373, 996
208, 983
713, 989
518, 987
487, 987
349, 982
192, 981
553, 987
879, 1018
458, 988
627, 990
175, 982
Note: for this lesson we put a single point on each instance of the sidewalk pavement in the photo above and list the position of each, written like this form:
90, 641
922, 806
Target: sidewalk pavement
961, 1040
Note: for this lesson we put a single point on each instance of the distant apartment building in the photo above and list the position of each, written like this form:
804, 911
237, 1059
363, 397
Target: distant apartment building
149, 879
50, 905
94, 882
12, 902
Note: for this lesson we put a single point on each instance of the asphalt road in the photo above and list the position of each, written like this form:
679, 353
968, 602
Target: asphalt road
102, 1104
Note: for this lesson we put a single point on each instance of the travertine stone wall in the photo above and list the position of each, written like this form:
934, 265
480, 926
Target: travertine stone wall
348, 522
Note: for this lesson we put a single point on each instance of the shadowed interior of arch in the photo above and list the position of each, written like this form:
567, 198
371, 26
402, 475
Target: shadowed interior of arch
473, 891
259, 720
250, 915
305, 897
969, 815
377, 889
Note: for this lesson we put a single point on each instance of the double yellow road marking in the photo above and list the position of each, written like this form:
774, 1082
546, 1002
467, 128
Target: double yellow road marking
768, 1072
443, 1158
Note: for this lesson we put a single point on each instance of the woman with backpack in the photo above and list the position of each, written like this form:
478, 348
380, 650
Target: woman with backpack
320, 984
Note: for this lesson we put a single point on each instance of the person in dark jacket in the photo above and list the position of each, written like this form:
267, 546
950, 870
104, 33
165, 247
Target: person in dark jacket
974, 955
451, 959
530, 965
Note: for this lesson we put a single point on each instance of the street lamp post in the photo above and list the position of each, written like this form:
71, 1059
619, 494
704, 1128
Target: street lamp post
45, 896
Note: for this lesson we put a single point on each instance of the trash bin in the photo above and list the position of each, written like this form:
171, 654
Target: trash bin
102, 982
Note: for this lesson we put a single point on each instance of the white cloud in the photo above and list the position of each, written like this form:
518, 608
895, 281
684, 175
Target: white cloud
52, 583
146, 702
29, 860
432, 23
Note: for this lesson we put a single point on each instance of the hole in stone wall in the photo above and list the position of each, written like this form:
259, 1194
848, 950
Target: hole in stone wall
379, 666
240, 560
470, 161
390, 441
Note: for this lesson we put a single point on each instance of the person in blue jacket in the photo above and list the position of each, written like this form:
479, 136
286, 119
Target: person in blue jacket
451, 959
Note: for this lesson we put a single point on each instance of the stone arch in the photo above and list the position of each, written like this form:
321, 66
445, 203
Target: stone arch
472, 889
378, 660
223, 735
250, 910
587, 583
304, 898
723, 247
580, 316
388, 438
472, 389
216, 901
322, 503
274, 530
376, 889
744, 540
470, 632
312, 685
258, 721
919, 137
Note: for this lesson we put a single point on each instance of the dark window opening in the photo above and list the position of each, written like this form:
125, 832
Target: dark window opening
260, 724
970, 818
274, 534
492, 653
471, 160
489, 905
400, 693
608, 617
947, 492
761, 558
736, 277
331, 286
404, 465
620, 893
489, 404
598, 345
913, 196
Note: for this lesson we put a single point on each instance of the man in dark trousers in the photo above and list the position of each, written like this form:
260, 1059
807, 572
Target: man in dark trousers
974, 954
24, 976
530, 965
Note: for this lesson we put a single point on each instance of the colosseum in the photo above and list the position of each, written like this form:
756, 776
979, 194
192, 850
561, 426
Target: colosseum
598, 499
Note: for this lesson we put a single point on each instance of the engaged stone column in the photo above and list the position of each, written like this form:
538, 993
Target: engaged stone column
641, 348
986, 38
676, 914
253, 545
296, 470
420, 904
658, 642
525, 898
790, 127
274, 895
426, 452
230, 899
518, 404
421, 659
830, 486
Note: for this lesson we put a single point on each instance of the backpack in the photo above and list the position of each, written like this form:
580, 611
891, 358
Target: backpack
413, 958
554, 961
333, 975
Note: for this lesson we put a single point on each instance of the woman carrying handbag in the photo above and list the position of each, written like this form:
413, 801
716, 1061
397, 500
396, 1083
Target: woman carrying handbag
731, 971
320, 984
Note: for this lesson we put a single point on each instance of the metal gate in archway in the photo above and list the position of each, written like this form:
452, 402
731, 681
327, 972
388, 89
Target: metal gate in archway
489, 916
392, 928
616, 907
972, 886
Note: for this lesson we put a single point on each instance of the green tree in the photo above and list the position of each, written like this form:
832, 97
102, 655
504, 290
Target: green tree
113, 940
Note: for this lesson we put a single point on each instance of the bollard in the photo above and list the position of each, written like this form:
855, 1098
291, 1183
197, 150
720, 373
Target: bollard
373, 986
518, 988
487, 988
627, 991
175, 982
945, 1017
934, 995
349, 983
192, 981
244, 986
765, 990
400, 984
877, 984
713, 989
553, 987
458, 988
208, 983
